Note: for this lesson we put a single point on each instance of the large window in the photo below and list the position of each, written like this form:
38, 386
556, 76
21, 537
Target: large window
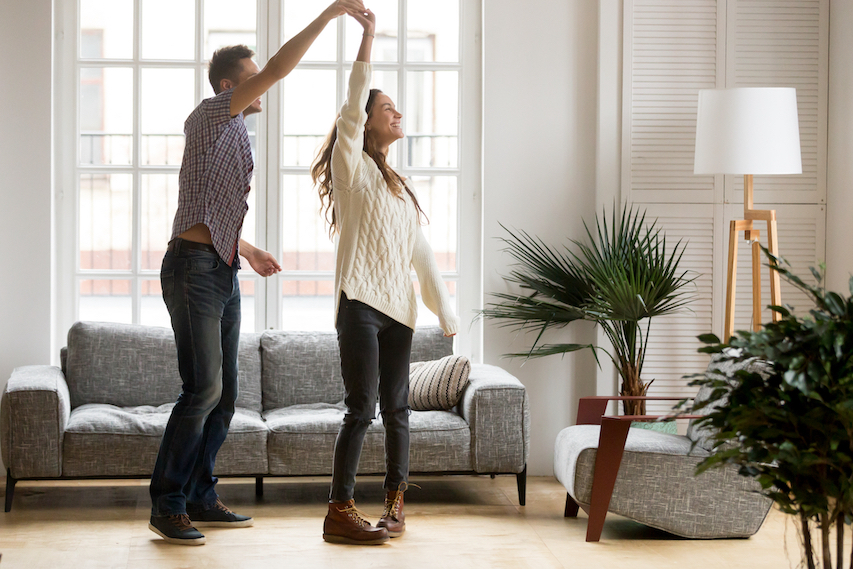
137, 74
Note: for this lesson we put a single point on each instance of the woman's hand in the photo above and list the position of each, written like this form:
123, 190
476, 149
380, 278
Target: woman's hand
367, 20
341, 7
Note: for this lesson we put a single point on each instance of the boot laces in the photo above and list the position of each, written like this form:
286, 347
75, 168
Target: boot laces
220, 506
355, 515
392, 507
181, 521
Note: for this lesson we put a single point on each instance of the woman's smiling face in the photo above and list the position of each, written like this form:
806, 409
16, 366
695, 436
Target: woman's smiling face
384, 122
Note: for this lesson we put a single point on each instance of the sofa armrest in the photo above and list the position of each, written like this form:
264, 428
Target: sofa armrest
33, 414
497, 410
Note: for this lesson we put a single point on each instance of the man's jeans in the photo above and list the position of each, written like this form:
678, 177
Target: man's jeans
375, 349
202, 294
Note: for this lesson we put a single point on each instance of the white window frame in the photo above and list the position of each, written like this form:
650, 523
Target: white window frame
267, 168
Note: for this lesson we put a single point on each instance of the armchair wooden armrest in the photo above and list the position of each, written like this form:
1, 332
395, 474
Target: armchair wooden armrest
611, 446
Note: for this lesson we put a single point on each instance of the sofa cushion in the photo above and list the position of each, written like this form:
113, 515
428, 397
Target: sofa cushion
300, 367
305, 367
106, 440
129, 365
430, 343
438, 384
302, 441
572, 441
703, 436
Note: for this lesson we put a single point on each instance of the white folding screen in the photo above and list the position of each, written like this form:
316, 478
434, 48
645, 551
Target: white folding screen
671, 49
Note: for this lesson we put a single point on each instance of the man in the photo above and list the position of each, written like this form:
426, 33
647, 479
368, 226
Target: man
200, 285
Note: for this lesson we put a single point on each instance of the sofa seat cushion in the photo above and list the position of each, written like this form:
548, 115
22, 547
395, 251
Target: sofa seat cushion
106, 440
572, 441
302, 441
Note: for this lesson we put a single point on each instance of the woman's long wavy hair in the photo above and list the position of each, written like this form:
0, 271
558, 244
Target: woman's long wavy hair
321, 171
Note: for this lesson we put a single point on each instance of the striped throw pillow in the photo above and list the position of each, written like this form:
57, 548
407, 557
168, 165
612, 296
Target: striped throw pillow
437, 385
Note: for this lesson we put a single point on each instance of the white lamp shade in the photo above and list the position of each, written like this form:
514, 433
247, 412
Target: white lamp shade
752, 130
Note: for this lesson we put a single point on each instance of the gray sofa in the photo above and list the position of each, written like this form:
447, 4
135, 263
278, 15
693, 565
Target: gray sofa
102, 413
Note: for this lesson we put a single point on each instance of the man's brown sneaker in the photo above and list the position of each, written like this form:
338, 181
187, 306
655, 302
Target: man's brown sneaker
345, 524
176, 529
393, 519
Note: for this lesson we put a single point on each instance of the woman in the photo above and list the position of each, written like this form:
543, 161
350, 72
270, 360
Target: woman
377, 218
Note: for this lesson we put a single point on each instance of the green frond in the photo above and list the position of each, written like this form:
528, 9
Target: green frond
622, 273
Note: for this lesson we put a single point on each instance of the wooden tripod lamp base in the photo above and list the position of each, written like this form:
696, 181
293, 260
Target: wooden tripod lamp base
752, 235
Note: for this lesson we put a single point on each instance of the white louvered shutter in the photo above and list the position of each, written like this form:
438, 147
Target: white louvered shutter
672, 348
784, 43
673, 48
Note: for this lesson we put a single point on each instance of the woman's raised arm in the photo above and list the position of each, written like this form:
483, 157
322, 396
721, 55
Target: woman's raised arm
346, 155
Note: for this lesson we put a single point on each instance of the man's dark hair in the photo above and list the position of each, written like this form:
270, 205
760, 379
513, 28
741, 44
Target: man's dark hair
226, 64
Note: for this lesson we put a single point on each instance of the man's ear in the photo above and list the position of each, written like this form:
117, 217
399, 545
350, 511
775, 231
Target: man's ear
225, 84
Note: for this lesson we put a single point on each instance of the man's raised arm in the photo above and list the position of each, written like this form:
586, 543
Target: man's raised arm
288, 56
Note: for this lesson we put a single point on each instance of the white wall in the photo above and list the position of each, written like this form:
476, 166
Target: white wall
25, 185
839, 179
539, 139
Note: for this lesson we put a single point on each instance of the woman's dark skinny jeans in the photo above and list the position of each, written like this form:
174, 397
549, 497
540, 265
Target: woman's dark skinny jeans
375, 351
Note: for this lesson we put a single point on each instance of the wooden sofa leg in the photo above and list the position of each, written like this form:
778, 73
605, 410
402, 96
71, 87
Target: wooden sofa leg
571, 507
259, 486
10, 489
521, 480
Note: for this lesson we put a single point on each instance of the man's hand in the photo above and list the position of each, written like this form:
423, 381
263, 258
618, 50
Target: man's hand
264, 263
261, 261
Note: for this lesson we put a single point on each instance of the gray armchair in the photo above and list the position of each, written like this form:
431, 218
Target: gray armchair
649, 476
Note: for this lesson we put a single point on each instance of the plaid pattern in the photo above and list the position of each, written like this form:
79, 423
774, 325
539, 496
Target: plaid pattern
215, 174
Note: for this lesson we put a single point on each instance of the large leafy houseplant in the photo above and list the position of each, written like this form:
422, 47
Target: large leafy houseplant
620, 278
791, 426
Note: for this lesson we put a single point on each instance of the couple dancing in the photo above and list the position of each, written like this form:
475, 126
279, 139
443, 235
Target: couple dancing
377, 219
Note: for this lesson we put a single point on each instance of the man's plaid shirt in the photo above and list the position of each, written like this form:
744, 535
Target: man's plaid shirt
215, 174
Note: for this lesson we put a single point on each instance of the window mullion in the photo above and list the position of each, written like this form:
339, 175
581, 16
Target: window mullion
136, 184
402, 47
266, 292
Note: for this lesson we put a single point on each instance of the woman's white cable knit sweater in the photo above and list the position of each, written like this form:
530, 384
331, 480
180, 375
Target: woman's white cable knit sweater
380, 236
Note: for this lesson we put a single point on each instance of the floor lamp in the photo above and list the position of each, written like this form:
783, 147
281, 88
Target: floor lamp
748, 131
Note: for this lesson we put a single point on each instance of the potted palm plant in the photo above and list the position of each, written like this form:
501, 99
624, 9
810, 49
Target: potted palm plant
620, 278
791, 425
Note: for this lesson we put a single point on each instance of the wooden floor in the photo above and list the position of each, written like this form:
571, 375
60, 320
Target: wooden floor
460, 521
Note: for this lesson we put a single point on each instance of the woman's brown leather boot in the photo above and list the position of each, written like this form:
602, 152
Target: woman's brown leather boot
393, 519
345, 524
